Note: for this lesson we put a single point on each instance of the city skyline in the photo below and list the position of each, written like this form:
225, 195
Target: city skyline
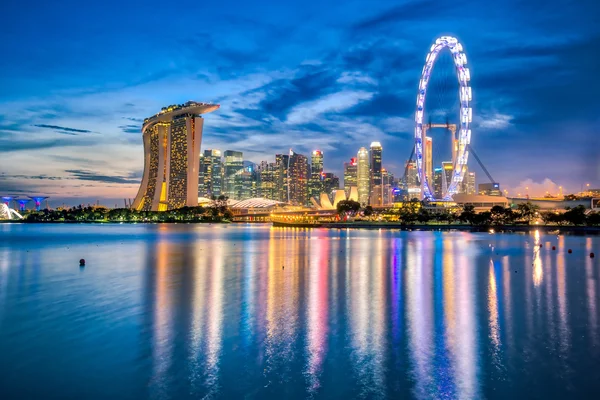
72, 128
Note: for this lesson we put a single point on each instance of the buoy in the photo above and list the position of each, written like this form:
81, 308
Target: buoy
82, 262
515, 271
592, 255
553, 247
569, 251
541, 245
283, 267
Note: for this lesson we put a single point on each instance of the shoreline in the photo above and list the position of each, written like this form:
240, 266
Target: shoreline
467, 228
355, 225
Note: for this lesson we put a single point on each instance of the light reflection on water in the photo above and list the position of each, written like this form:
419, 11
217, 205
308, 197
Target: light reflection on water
188, 311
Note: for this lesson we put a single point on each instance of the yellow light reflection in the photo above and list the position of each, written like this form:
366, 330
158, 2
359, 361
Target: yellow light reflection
163, 341
538, 273
317, 312
420, 319
493, 309
591, 292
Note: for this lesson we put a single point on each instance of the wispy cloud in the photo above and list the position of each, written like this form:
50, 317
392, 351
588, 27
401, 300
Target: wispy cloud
63, 129
336, 102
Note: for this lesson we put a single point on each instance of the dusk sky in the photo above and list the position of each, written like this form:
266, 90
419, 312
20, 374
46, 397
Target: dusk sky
77, 79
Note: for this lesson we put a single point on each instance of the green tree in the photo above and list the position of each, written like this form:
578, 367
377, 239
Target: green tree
468, 214
593, 219
368, 211
527, 211
348, 207
575, 215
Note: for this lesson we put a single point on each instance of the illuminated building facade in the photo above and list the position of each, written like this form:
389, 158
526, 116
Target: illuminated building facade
211, 177
387, 182
376, 184
172, 157
315, 187
413, 185
490, 189
298, 175
363, 176
331, 183
469, 183
267, 180
282, 162
232, 167
428, 157
350, 175
448, 169
438, 178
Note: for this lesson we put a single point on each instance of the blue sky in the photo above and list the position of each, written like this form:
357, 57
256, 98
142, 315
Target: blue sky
76, 79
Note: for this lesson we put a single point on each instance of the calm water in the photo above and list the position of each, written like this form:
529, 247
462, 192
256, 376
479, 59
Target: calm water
196, 311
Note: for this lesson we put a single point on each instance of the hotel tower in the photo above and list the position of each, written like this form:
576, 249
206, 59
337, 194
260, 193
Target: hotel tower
172, 157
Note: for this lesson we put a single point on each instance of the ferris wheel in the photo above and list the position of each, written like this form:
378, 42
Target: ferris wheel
461, 134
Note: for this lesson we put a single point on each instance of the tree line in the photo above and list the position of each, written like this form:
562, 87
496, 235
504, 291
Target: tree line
217, 211
416, 212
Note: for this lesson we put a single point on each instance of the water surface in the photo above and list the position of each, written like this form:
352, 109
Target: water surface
231, 311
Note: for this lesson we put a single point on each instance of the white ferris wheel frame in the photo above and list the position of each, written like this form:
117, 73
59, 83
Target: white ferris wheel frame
466, 116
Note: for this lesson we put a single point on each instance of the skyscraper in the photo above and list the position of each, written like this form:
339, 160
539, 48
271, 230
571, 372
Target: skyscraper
232, 167
331, 183
282, 162
376, 194
448, 169
469, 183
362, 176
350, 175
315, 186
412, 177
211, 178
437, 183
267, 178
387, 183
172, 157
298, 174
428, 158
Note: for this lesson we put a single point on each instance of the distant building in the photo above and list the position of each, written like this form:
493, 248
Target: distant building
172, 157
387, 181
232, 166
448, 169
315, 184
281, 177
331, 184
469, 183
375, 169
428, 158
363, 176
211, 177
350, 173
298, 175
438, 178
267, 180
490, 189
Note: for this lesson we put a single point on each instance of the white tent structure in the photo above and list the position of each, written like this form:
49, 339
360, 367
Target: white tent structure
9, 213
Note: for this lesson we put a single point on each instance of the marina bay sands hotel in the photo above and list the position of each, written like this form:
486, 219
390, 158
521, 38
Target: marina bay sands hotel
172, 157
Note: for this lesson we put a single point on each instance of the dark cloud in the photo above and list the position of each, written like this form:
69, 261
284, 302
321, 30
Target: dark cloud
63, 129
131, 128
86, 175
37, 177
11, 145
310, 83
409, 11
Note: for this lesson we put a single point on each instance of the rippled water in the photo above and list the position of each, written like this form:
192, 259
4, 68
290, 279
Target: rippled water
192, 311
